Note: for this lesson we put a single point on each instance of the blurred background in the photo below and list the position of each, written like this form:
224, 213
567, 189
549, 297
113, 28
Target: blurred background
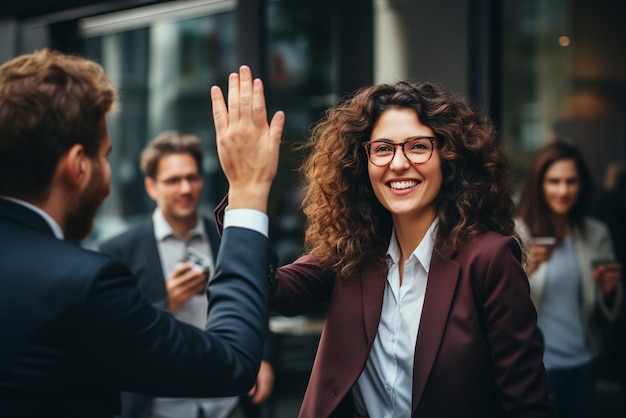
540, 69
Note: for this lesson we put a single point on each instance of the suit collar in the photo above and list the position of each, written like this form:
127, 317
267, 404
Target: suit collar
162, 228
24, 213
149, 248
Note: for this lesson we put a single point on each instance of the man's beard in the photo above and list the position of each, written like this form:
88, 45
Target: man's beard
81, 214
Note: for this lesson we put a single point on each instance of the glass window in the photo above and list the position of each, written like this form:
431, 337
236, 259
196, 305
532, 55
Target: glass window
564, 75
164, 72
301, 79
164, 64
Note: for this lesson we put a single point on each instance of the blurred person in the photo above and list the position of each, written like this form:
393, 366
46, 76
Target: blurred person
574, 279
609, 205
75, 328
156, 252
410, 238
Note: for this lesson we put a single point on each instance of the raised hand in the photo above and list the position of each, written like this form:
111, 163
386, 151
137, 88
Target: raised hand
247, 146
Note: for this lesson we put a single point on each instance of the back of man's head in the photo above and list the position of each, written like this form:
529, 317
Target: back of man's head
166, 143
49, 101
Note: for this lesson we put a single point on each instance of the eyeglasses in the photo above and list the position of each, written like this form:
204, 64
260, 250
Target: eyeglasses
192, 179
417, 149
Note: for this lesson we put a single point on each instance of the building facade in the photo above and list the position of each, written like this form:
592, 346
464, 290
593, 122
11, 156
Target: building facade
540, 69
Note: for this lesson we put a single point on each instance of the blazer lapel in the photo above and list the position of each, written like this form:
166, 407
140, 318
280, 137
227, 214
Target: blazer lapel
372, 289
337, 372
212, 236
442, 282
154, 284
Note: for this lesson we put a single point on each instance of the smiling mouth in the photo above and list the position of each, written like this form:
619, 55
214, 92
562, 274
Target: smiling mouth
400, 185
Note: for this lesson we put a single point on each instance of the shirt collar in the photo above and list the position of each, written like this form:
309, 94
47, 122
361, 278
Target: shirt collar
56, 228
422, 253
163, 230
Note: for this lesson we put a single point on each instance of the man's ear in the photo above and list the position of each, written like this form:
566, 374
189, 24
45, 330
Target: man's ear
74, 166
150, 188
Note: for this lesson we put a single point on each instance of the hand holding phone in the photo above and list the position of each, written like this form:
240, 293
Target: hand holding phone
547, 241
200, 261
607, 274
539, 252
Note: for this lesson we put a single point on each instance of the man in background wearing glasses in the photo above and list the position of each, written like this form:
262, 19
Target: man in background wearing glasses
172, 254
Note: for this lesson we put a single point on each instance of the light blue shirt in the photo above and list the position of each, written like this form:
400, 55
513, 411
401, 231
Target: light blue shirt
385, 387
560, 315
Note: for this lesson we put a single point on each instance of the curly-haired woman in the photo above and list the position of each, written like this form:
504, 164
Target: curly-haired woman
410, 239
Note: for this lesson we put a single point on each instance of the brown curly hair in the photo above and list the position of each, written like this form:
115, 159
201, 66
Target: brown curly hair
346, 225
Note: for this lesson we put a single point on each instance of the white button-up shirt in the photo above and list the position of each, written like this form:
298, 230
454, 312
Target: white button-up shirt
384, 389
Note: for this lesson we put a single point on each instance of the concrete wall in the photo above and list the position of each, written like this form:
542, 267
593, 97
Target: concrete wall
422, 40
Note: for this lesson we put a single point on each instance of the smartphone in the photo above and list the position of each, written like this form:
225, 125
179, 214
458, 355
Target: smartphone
543, 241
200, 261
600, 261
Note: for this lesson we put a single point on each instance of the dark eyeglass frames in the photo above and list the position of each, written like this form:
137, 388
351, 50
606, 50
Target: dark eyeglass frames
417, 149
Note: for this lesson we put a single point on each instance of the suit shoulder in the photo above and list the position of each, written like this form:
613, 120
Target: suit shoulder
490, 244
95, 259
595, 224
488, 240
72, 264
127, 238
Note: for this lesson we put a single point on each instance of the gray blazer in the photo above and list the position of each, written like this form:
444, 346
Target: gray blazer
595, 243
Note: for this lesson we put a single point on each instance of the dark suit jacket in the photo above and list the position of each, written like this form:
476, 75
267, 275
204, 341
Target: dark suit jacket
476, 354
137, 248
76, 330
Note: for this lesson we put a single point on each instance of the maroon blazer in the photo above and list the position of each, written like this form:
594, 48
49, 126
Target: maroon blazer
477, 352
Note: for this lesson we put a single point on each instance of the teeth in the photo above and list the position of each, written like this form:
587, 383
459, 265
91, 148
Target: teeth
402, 184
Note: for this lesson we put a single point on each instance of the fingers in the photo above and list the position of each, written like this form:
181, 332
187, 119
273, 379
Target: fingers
539, 253
264, 383
276, 127
247, 145
259, 111
607, 276
240, 95
186, 277
233, 98
245, 93
220, 114
182, 287
259, 396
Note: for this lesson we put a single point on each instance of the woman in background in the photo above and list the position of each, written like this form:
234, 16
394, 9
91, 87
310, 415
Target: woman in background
574, 279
